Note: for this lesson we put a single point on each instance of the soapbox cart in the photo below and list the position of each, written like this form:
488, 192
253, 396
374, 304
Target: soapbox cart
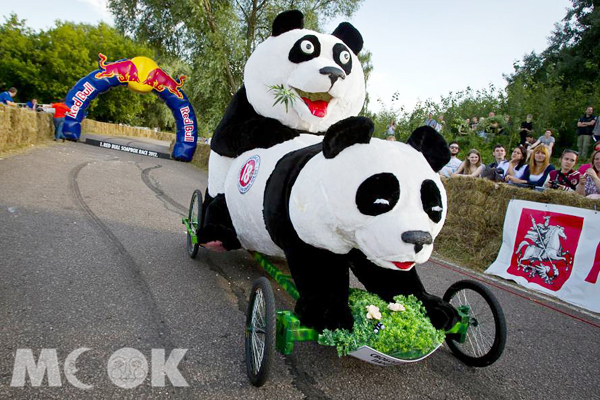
478, 339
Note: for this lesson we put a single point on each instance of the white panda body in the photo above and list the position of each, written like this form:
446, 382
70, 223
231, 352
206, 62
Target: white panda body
323, 206
245, 188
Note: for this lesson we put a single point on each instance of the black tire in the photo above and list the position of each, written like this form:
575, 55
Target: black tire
486, 335
260, 332
195, 219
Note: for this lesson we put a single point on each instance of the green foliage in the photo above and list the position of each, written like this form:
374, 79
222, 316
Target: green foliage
47, 64
407, 334
555, 86
215, 37
283, 95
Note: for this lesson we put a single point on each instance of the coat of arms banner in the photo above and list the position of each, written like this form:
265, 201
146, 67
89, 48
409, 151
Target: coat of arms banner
553, 249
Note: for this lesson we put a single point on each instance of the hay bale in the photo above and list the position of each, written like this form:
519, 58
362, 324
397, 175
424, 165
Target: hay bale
201, 155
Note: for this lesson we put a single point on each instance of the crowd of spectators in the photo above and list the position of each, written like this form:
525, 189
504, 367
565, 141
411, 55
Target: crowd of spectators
531, 169
588, 131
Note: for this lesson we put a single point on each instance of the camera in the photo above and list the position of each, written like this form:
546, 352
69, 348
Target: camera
554, 185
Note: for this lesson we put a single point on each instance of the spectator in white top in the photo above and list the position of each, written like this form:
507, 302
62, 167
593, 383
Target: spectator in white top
517, 164
454, 162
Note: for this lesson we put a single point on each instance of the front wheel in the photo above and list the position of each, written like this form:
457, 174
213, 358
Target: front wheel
486, 334
195, 219
260, 332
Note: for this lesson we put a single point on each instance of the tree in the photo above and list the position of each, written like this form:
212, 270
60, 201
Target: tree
215, 37
47, 64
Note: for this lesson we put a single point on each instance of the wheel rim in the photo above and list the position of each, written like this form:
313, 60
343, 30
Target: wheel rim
482, 325
257, 331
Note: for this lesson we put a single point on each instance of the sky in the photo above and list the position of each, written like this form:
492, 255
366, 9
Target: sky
422, 49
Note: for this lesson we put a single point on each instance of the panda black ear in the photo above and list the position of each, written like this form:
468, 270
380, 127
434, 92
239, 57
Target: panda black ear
286, 21
348, 34
345, 133
433, 146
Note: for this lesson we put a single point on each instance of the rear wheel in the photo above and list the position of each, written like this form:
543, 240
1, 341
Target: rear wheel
260, 332
195, 219
486, 335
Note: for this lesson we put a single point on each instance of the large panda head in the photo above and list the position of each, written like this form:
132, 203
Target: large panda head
382, 198
322, 71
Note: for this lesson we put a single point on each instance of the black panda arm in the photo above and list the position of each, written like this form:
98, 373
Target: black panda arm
242, 129
387, 283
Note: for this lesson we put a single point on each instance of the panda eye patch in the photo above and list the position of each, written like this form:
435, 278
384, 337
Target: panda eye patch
432, 200
342, 57
306, 48
378, 194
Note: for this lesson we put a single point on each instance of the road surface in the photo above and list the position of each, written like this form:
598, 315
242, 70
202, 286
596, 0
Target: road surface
92, 256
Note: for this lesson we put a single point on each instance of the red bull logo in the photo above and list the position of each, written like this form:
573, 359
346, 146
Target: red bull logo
79, 98
160, 81
188, 124
125, 71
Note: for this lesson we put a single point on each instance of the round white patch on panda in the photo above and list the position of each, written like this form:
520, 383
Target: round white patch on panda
248, 173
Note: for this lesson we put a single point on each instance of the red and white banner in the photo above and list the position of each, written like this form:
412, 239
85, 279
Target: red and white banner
553, 249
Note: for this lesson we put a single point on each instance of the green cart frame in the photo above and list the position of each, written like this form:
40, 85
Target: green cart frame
478, 339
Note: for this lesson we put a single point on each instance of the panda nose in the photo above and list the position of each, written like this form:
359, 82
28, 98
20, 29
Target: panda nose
334, 73
418, 238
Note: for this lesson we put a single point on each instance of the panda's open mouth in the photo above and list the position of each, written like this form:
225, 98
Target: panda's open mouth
404, 266
316, 102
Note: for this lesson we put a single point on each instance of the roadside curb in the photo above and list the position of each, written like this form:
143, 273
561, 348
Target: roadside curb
513, 288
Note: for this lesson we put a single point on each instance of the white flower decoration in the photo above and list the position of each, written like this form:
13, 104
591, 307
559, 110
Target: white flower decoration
373, 312
396, 307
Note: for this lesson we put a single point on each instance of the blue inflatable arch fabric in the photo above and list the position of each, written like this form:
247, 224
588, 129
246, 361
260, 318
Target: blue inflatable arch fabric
88, 88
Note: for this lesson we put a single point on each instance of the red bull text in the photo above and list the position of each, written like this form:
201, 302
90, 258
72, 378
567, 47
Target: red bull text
125, 70
188, 124
160, 80
79, 98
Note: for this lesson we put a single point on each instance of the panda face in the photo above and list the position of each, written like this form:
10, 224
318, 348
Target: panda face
382, 198
324, 75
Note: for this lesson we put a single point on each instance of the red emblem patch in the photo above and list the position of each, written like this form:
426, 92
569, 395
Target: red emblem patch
248, 174
545, 247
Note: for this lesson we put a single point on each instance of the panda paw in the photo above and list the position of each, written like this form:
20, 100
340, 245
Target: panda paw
442, 315
267, 132
317, 315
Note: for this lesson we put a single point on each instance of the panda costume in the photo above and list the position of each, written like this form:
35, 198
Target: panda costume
328, 203
327, 78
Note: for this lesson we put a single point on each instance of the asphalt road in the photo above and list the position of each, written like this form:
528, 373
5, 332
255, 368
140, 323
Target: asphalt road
92, 255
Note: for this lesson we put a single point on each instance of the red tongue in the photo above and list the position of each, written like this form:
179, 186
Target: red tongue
404, 265
317, 108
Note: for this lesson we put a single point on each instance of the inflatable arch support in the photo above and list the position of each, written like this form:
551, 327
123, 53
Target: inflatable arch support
140, 74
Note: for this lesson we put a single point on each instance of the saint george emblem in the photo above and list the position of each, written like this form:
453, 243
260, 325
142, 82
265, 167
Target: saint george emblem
545, 247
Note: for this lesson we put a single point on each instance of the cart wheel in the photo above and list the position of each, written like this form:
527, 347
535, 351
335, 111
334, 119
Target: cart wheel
260, 331
486, 335
195, 218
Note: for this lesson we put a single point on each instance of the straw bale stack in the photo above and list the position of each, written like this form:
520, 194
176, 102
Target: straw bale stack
201, 156
21, 127
472, 234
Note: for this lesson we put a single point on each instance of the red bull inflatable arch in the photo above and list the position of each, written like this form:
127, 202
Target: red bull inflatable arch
143, 75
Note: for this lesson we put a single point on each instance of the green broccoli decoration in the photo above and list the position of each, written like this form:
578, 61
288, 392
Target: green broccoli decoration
401, 329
